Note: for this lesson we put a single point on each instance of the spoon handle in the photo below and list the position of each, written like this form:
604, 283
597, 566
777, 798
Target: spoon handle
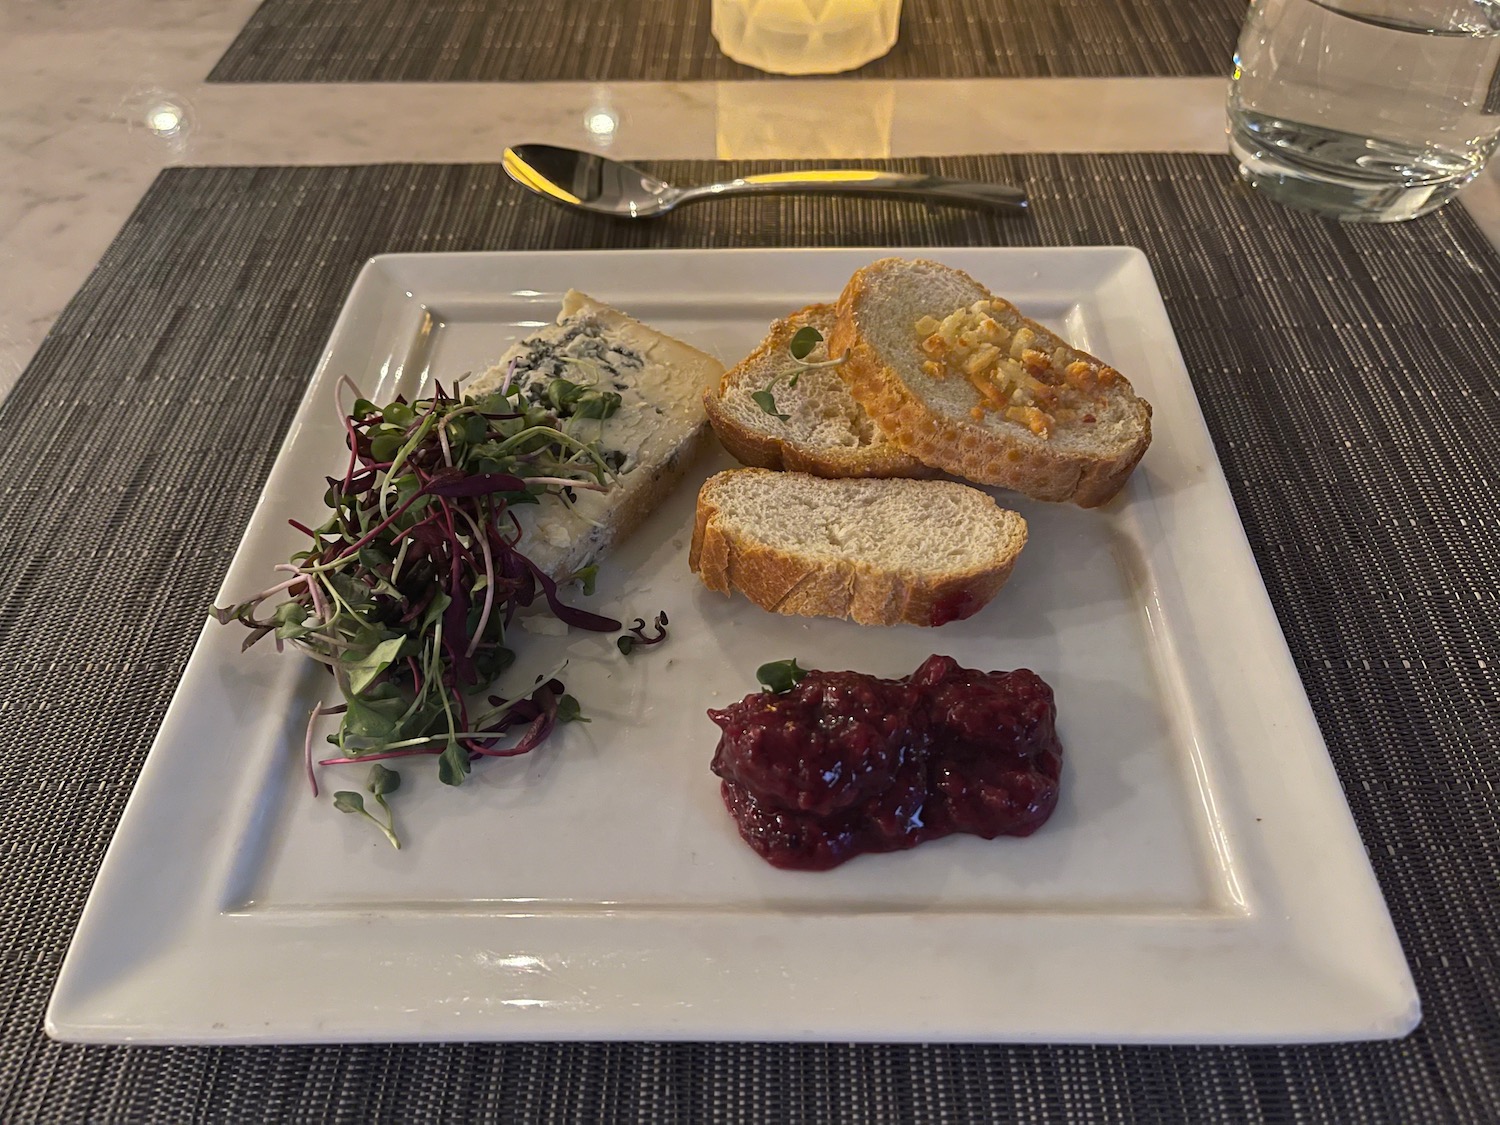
848, 181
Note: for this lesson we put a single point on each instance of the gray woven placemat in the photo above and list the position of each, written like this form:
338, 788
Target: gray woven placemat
670, 41
1347, 376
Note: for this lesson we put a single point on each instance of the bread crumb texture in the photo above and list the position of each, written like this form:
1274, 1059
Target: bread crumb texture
877, 551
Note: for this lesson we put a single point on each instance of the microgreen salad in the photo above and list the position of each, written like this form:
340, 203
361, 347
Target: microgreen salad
409, 586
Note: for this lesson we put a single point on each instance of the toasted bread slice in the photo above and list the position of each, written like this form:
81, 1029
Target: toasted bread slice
987, 427
652, 437
825, 433
878, 551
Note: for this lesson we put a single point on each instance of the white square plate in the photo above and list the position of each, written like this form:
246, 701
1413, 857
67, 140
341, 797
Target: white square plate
1201, 880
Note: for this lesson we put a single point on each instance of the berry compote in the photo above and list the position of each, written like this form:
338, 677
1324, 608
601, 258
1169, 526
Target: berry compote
846, 763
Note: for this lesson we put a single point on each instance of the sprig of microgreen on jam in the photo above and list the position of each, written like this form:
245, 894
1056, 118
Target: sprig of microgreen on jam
803, 341
780, 676
409, 586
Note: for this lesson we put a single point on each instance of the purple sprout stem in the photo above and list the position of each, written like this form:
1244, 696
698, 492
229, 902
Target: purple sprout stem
489, 581
566, 482
353, 452
410, 752
455, 564
345, 381
307, 755
278, 588
372, 533
314, 589
463, 721
520, 747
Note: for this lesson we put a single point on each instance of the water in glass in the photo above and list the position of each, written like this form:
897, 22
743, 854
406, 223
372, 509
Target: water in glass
1374, 110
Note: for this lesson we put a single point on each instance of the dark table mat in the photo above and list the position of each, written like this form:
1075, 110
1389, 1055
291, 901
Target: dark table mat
670, 41
1348, 378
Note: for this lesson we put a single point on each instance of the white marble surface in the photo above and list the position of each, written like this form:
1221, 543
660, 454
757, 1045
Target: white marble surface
100, 96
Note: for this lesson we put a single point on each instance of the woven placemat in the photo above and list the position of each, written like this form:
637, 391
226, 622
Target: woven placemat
1347, 378
670, 41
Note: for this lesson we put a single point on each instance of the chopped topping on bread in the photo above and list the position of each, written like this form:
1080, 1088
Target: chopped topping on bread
1037, 414
1024, 383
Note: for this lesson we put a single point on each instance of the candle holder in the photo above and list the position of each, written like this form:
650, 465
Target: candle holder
805, 36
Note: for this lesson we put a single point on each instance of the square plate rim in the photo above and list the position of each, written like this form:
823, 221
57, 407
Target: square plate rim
1392, 1008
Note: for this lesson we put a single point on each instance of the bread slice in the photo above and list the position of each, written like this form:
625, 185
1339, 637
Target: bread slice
1085, 457
653, 436
825, 433
878, 551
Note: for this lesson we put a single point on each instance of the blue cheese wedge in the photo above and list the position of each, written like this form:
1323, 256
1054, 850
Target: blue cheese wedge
648, 440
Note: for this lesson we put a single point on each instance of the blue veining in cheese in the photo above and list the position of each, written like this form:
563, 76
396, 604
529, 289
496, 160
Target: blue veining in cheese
585, 352
582, 341
658, 382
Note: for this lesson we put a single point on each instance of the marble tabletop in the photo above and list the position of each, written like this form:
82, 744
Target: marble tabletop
101, 95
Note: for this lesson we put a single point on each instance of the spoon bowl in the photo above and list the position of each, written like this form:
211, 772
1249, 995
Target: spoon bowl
590, 182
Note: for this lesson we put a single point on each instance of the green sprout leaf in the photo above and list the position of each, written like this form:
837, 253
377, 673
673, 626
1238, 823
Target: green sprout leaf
767, 402
780, 676
290, 613
804, 341
586, 577
382, 780
363, 671
625, 644
346, 801
290, 618
453, 764
568, 710
373, 718
383, 445
599, 404
563, 393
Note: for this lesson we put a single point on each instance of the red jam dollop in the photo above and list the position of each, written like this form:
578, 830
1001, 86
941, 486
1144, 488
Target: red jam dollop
846, 763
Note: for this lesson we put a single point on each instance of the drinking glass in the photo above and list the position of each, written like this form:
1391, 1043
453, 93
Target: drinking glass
805, 36
1366, 110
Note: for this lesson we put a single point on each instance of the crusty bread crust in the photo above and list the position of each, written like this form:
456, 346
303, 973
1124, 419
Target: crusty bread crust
763, 447
1012, 456
785, 581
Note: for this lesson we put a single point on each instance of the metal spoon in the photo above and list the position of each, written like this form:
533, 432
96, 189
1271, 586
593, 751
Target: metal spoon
608, 187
